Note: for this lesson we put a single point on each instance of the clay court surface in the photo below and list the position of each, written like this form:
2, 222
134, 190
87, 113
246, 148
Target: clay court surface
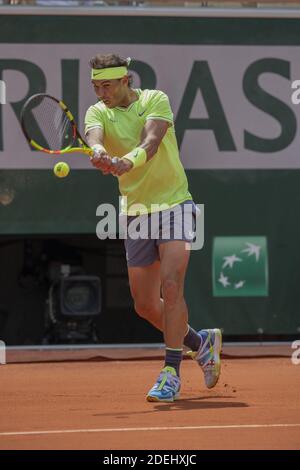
56, 402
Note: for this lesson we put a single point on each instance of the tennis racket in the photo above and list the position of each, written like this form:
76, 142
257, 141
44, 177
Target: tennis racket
49, 126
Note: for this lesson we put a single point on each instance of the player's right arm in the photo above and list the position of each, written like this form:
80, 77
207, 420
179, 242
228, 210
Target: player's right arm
100, 160
95, 137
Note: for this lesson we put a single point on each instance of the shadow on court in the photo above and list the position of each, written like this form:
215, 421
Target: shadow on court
185, 404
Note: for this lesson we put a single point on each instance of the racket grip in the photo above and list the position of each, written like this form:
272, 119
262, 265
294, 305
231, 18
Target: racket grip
114, 160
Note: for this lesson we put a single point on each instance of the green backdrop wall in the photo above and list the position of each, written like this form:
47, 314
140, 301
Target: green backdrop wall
239, 199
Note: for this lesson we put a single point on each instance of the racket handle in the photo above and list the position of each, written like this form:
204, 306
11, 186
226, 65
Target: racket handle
114, 160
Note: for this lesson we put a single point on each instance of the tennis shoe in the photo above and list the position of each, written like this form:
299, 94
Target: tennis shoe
167, 386
208, 356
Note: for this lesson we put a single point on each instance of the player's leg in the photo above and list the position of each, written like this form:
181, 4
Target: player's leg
145, 283
174, 260
206, 346
145, 287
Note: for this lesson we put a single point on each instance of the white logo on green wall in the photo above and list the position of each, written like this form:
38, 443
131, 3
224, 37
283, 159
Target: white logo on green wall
240, 266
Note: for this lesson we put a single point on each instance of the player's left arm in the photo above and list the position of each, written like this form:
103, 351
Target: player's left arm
152, 134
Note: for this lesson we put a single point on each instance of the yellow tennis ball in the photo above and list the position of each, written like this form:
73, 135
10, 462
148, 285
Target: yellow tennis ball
61, 169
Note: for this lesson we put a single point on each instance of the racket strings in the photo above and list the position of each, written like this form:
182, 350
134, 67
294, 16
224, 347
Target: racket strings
48, 125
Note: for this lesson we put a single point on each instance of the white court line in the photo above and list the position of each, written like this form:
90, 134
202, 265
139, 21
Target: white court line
150, 429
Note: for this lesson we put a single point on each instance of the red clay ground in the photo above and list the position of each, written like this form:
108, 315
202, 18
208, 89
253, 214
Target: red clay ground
259, 396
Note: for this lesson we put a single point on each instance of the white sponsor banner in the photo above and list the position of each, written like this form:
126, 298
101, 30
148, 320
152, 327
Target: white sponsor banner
172, 66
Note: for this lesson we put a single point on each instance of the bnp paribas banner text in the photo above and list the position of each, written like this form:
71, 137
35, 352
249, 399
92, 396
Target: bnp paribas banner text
232, 105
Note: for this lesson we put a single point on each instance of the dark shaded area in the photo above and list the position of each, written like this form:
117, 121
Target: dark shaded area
29, 266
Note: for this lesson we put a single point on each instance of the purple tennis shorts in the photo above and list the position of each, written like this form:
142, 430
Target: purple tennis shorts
144, 233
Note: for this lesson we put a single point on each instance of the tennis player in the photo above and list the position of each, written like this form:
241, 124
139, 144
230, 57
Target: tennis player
137, 127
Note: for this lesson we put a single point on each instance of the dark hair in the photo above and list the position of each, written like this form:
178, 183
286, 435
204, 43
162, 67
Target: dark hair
103, 61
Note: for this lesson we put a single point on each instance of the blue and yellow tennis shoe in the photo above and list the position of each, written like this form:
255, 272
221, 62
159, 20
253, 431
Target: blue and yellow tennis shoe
208, 355
167, 387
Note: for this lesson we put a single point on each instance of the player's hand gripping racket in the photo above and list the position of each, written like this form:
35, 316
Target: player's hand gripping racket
49, 126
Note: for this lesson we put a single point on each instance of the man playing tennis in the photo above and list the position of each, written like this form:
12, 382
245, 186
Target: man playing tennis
137, 127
